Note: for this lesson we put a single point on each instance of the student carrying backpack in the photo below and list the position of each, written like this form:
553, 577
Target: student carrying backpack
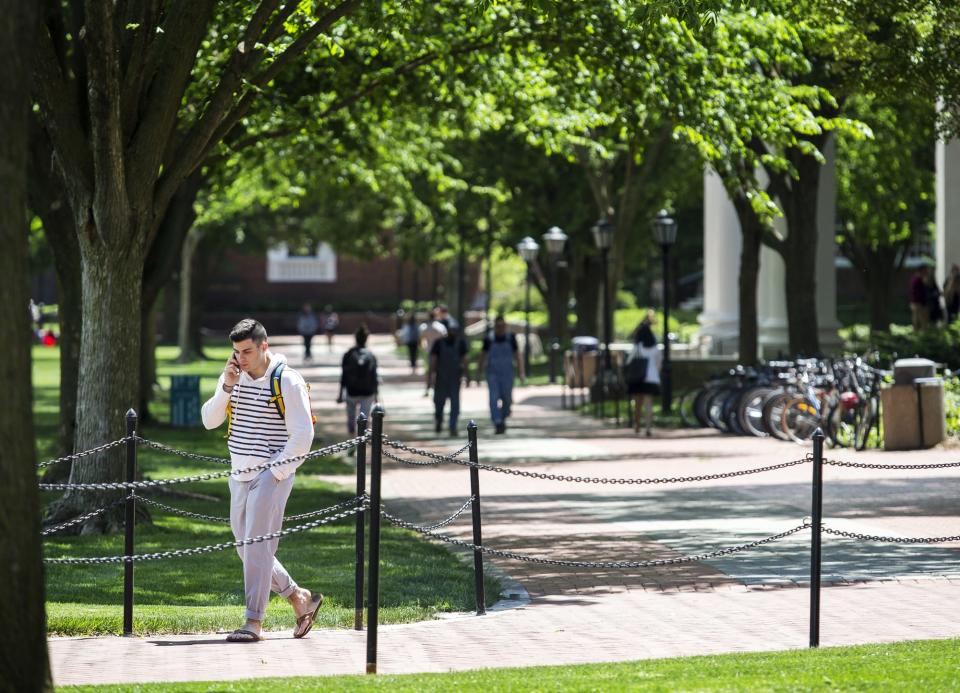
358, 377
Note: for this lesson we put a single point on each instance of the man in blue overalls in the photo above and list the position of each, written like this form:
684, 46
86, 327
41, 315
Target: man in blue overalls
500, 359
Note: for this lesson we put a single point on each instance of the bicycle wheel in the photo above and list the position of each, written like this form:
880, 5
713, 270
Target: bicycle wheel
868, 417
842, 425
750, 411
686, 407
700, 403
800, 419
715, 409
773, 414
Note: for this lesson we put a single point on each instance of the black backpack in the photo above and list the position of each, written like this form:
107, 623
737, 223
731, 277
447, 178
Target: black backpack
360, 373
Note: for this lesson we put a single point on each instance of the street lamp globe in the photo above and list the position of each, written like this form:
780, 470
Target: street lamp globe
555, 239
528, 249
664, 228
603, 234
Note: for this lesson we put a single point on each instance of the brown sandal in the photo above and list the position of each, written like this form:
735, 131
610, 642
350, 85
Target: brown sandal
305, 622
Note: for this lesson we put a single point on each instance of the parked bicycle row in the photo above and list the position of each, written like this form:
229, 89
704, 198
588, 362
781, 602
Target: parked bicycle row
789, 400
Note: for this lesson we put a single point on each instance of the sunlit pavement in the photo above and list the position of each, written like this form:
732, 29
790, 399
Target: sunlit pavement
751, 600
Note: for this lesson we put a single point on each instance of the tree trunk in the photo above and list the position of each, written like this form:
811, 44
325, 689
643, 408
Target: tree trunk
109, 373
184, 333
24, 665
752, 233
587, 291
876, 268
800, 256
148, 361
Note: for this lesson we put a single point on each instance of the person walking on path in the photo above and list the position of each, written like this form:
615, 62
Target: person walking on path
434, 329
259, 431
643, 372
447, 367
359, 379
919, 299
411, 339
951, 293
500, 360
307, 325
331, 321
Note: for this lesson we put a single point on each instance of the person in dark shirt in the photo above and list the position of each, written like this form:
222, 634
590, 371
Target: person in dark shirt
447, 367
919, 300
500, 360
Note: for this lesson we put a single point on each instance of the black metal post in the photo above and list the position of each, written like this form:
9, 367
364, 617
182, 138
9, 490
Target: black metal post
552, 318
361, 490
477, 538
487, 313
607, 336
666, 403
461, 277
526, 326
129, 523
373, 577
817, 513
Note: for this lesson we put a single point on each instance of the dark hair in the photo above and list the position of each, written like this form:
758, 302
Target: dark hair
248, 328
644, 335
499, 318
361, 335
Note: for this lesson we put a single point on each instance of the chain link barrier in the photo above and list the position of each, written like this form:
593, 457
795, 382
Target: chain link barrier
436, 458
199, 550
449, 520
218, 518
181, 453
135, 485
83, 518
87, 453
890, 540
393, 519
865, 465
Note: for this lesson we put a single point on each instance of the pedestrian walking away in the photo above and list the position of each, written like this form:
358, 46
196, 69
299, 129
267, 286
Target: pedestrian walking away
435, 328
307, 325
267, 409
447, 367
500, 361
359, 380
411, 338
919, 298
642, 373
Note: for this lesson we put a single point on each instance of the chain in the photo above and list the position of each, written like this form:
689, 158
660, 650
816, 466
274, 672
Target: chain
86, 453
127, 485
890, 540
218, 518
438, 459
96, 560
83, 518
326, 511
449, 520
863, 465
182, 453
593, 564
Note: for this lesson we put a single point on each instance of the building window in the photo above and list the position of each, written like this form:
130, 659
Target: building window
283, 266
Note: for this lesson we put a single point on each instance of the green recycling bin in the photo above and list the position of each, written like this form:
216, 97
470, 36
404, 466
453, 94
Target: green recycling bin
185, 400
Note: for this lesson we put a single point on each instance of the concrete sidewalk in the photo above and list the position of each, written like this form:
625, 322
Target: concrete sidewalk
744, 601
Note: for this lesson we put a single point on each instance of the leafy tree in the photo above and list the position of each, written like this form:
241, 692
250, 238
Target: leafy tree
23, 649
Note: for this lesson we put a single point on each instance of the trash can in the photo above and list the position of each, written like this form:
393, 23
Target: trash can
914, 410
580, 362
185, 400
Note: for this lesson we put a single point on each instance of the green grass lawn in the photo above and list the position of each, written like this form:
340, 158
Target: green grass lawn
927, 665
205, 593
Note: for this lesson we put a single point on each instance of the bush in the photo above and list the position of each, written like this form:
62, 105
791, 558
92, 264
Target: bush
936, 343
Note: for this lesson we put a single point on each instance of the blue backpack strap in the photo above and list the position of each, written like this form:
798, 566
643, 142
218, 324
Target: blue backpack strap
275, 392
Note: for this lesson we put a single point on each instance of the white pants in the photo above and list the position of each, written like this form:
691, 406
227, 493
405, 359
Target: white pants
256, 508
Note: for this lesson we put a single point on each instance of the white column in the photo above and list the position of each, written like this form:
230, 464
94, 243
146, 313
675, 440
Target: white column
827, 251
948, 206
721, 267
772, 336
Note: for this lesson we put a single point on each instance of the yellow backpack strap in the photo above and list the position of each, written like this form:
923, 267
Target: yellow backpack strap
313, 417
276, 394
229, 417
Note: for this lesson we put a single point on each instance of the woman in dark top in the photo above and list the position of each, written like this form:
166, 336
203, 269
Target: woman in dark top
643, 372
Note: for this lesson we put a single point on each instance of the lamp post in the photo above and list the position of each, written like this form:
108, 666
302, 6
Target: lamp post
528, 251
555, 239
665, 233
603, 238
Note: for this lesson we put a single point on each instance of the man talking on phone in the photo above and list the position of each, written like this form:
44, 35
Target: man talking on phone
260, 432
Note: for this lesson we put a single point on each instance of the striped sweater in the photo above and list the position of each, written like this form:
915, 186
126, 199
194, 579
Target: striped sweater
258, 434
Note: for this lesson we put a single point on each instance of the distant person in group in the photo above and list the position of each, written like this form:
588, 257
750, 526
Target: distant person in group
410, 336
447, 367
359, 380
500, 361
307, 325
919, 298
435, 328
951, 293
935, 313
331, 321
262, 430
642, 373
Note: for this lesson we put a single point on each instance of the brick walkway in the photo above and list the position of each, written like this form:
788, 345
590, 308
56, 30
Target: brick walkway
745, 601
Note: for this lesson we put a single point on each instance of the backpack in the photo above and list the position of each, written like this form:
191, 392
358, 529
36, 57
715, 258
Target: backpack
635, 371
360, 373
276, 399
